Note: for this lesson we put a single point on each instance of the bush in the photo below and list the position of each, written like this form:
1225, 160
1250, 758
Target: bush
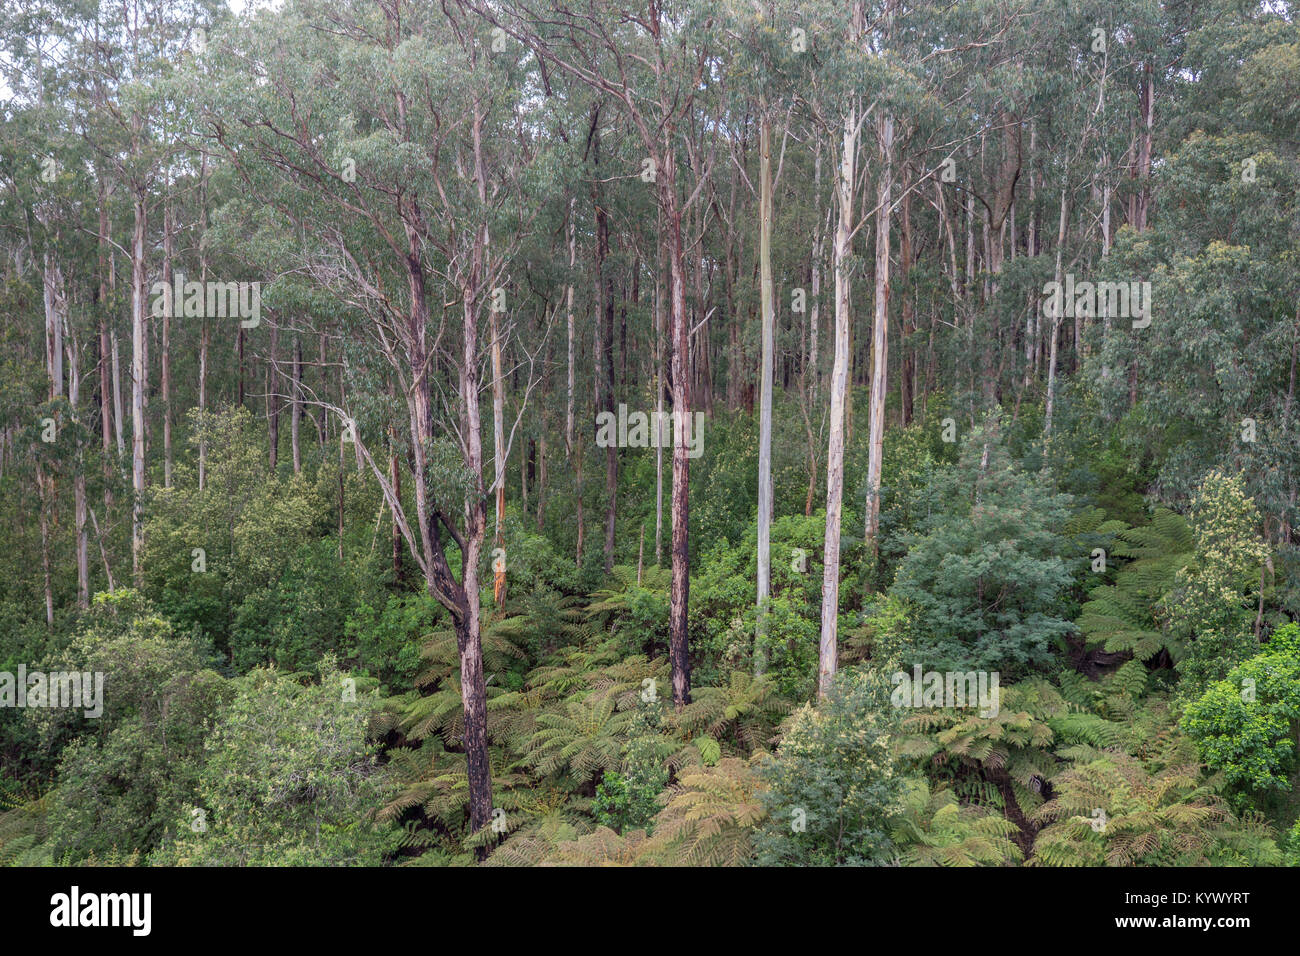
1245, 726
833, 786
123, 781
290, 780
987, 581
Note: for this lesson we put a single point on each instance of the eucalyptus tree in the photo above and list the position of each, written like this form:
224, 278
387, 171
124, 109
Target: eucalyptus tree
386, 140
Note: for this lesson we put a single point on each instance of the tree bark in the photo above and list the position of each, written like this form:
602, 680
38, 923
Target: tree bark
880, 333
828, 652
765, 393
679, 337
605, 339
139, 373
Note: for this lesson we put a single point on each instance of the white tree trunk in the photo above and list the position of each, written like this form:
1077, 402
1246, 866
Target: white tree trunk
828, 651
765, 388
880, 332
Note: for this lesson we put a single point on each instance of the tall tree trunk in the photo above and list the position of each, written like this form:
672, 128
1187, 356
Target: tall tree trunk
104, 303
907, 322
205, 344
765, 394
1056, 319
541, 478
605, 339
273, 399
79, 478
468, 634
139, 377
659, 399
166, 357
828, 651
322, 423
880, 333
679, 337
568, 300
295, 414
498, 454
55, 298
205, 335
118, 416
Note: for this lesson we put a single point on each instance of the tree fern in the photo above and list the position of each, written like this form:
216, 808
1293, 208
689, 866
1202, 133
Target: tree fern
582, 738
934, 829
709, 817
1124, 617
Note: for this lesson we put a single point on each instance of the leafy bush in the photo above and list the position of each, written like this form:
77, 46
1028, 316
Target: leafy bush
833, 786
122, 782
988, 579
289, 779
1245, 726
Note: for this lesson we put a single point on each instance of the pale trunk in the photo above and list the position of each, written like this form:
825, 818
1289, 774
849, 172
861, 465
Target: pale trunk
828, 651
1056, 320
880, 333
765, 389
139, 373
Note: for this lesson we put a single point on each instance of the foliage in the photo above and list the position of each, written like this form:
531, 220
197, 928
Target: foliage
289, 778
1209, 607
988, 577
832, 787
1245, 725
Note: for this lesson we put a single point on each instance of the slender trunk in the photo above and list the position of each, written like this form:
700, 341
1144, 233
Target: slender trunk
204, 332
907, 323
105, 310
272, 399
117, 396
322, 423
1146, 107
55, 306
765, 394
468, 636
295, 414
880, 334
541, 478
166, 357
139, 374
659, 402
605, 344
679, 337
828, 651
498, 454
1056, 319
79, 479
568, 296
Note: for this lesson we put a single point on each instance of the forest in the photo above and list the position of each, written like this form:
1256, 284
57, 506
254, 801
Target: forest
672, 433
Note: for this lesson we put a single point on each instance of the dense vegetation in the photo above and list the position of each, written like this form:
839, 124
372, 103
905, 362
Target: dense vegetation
382, 565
